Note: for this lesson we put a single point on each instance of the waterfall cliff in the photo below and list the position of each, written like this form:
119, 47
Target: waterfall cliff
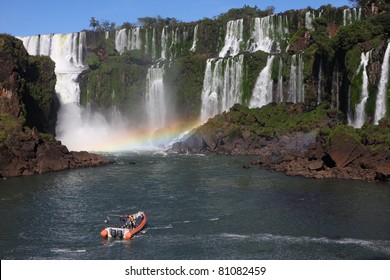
381, 101
160, 74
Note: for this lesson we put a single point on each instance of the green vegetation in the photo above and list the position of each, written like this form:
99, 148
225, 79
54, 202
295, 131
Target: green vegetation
32, 79
184, 79
330, 43
270, 120
9, 125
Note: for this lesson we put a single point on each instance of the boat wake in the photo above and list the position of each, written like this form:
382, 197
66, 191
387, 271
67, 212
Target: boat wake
382, 246
161, 227
71, 251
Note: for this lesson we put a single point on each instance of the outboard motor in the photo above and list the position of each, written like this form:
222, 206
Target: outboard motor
120, 234
113, 232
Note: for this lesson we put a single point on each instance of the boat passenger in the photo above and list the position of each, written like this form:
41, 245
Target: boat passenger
131, 220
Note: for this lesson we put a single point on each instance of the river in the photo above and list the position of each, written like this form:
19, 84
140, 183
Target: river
198, 207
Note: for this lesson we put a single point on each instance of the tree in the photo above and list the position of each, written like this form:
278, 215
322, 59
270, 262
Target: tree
107, 25
94, 23
382, 5
127, 25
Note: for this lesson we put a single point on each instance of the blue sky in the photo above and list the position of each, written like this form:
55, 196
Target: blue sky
29, 17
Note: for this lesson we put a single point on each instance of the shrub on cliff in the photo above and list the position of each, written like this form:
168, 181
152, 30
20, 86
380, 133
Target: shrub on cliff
32, 80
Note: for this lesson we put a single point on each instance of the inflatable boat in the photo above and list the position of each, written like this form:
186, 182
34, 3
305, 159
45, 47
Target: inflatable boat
127, 226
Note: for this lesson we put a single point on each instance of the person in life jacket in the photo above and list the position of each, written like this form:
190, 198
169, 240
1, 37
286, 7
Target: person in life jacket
132, 221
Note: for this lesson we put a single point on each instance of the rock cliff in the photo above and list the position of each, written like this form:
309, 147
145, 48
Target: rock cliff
27, 116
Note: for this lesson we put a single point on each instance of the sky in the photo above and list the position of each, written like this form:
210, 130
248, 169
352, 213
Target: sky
33, 17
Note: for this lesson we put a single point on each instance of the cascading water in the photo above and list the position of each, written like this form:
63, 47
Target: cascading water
309, 17
233, 38
262, 93
154, 49
175, 40
121, 40
279, 96
195, 40
222, 85
156, 107
380, 109
296, 87
77, 128
360, 114
127, 39
164, 42
351, 15
265, 33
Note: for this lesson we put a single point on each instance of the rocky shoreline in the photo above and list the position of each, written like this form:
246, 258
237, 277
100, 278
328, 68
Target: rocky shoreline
325, 148
29, 154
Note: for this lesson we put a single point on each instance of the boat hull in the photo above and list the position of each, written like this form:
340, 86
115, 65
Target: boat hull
124, 232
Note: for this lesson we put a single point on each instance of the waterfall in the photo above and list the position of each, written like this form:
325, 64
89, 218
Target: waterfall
121, 40
360, 114
380, 109
279, 97
351, 15
309, 17
77, 128
175, 40
164, 42
68, 53
292, 87
195, 40
296, 91
233, 38
300, 84
154, 51
134, 40
155, 98
265, 32
262, 92
222, 85
127, 39
335, 91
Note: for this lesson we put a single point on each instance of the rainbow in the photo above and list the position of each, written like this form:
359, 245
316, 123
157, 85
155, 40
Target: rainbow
125, 139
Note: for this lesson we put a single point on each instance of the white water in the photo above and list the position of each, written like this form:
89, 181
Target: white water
296, 86
77, 128
380, 109
360, 114
121, 40
154, 48
169, 40
164, 42
279, 97
68, 53
195, 40
233, 38
127, 39
309, 17
351, 15
265, 33
156, 107
222, 85
262, 92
